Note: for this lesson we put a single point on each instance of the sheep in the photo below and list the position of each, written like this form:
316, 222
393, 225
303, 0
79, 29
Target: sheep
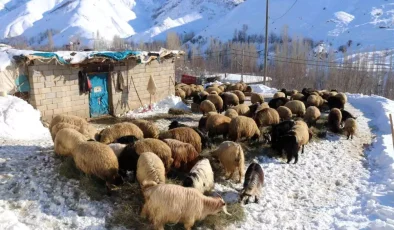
289, 92
279, 130
169, 203
266, 117
342, 97
182, 153
217, 124
127, 160
254, 110
66, 140
200, 177
95, 158
176, 124
298, 97
160, 148
291, 143
253, 183
312, 114
148, 128
240, 95
200, 97
207, 106
183, 134
117, 148
231, 156
231, 113
213, 89
199, 88
284, 113
61, 125
204, 138
335, 102
350, 127
187, 89
248, 89
275, 103
180, 93
242, 110
256, 97
109, 135
279, 95
243, 127
216, 100
314, 100
87, 130
71, 119
150, 168
334, 120
346, 115
202, 123
222, 88
127, 139
296, 107
229, 99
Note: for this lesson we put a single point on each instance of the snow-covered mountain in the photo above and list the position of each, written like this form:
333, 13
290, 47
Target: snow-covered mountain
335, 21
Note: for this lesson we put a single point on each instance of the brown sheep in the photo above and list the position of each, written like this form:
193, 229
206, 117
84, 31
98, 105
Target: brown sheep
148, 128
312, 115
240, 95
342, 97
217, 124
296, 107
216, 100
87, 130
334, 120
231, 113
350, 127
284, 113
279, 94
242, 110
260, 107
267, 117
298, 97
314, 100
169, 203
71, 119
199, 88
184, 154
66, 140
256, 97
158, 147
229, 99
184, 134
180, 93
243, 127
207, 106
213, 89
231, 156
150, 168
111, 134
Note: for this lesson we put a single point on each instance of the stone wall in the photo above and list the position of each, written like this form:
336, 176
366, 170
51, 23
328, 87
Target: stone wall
55, 90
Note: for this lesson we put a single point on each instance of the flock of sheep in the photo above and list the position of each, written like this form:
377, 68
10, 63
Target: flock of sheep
138, 146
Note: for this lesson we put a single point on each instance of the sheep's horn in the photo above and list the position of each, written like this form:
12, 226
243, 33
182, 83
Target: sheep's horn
225, 210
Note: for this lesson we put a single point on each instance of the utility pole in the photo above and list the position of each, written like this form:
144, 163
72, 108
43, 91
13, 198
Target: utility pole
266, 44
242, 66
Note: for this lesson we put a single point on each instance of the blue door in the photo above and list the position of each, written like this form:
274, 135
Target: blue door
98, 98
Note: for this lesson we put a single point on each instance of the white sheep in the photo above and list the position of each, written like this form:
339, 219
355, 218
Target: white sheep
200, 177
150, 168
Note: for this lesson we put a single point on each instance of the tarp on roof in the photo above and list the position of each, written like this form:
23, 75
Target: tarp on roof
49, 55
118, 56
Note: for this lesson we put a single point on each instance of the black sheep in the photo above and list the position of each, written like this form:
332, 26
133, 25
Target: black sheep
335, 102
291, 147
198, 98
175, 124
127, 160
254, 180
130, 139
346, 115
276, 102
253, 108
279, 130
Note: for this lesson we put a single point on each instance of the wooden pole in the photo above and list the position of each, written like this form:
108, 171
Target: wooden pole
392, 128
266, 44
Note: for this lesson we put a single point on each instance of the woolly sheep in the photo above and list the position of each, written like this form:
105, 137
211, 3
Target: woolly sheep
203, 121
298, 97
150, 168
95, 158
169, 203
62, 125
216, 100
240, 95
71, 119
334, 120
276, 102
231, 156
184, 134
256, 97
346, 115
109, 135
296, 107
229, 99
242, 110
253, 183
182, 153
279, 130
213, 89
284, 113
314, 100
217, 124
312, 115
188, 90
248, 89
180, 93
66, 140
291, 142
258, 109
243, 127
222, 88
335, 102
342, 97
200, 88
117, 148
148, 128
199, 97
207, 106
231, 113
266, 117
127, 139
160, 148
279, 94
204, 138
350, 127
200, 177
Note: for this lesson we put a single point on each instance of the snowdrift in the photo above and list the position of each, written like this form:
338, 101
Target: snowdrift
263, 89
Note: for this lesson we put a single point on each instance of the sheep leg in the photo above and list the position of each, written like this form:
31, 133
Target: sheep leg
348, 137
108, 188
240, 176
256, 199
230, 176
302, 148
352, 137
289, 157
144, 211
189, 224
158, 226
296, 157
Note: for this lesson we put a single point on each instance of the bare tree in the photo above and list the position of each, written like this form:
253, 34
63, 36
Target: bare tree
173, 41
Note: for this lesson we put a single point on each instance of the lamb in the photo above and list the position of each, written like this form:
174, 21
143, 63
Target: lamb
266, 117
256, 97
279, 95
240, 95
276, 102
207, 106
334, 120
169, 203
231, 156
350, 127
66, 140
284, 113
243, 127
231, 113
184, 134
296, 107
216, 100
148, 128
217, 124
71, 119
150, 168
109, 135
253, 183
200, 177
95, 158
312, 115
184, 154
229, 99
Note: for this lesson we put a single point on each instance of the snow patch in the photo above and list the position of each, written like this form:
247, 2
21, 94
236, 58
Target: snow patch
263, 89
344, 17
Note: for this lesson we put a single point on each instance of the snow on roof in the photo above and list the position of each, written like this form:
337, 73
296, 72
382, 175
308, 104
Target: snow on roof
8, 55
233, 78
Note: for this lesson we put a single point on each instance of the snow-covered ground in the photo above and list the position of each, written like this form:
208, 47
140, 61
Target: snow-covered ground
338, 183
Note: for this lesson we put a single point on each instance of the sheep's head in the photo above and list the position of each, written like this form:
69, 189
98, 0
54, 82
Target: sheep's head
222, 205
